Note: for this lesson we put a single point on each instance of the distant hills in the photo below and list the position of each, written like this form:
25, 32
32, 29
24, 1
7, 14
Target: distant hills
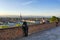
15, 16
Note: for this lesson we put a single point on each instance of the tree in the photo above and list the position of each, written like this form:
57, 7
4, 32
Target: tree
54, 19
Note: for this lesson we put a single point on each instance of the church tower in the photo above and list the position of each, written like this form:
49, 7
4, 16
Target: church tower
20, 16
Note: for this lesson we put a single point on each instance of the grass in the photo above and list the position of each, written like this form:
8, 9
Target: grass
18, 25
5, 26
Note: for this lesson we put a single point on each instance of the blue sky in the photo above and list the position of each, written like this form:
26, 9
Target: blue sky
30, 7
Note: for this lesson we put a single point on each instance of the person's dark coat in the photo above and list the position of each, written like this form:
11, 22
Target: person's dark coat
25, 28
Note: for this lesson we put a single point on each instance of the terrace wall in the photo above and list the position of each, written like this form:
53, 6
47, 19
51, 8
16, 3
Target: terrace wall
15, 32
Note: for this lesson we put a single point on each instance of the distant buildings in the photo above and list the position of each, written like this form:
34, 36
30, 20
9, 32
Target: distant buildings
36, 21
12, 21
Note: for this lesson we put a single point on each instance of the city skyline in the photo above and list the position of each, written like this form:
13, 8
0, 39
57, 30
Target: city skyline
30, 7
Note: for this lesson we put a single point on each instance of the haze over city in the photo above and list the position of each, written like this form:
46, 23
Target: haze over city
30, 7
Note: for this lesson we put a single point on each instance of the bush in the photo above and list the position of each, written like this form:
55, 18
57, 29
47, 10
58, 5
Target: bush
54, 19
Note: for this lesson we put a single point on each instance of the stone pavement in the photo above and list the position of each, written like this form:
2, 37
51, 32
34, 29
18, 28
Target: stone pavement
51, 34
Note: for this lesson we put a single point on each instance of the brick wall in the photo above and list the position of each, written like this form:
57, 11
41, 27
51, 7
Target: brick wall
12, 33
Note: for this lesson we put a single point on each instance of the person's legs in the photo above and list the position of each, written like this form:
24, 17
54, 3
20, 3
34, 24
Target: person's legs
26, 32
56, 23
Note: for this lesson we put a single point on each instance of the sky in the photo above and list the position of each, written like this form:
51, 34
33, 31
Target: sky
30, 7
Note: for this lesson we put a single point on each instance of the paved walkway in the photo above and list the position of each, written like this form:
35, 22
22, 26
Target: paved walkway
52, 34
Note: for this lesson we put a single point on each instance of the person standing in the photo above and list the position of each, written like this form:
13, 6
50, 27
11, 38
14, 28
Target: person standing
25, 28
57, 23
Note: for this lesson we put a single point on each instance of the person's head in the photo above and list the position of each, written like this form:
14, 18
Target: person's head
24, 23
